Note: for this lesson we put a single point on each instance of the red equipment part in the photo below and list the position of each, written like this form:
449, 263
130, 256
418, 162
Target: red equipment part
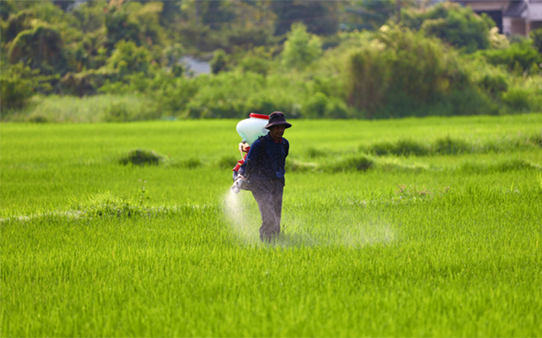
240, 163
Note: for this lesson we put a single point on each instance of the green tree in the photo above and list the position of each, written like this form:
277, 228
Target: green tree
371, 13
7, 8
17, 23
90, 16
132, 21
217, 13
301, 48
53, 15
456, 25
401, 69
118, 25
64, 4
219, 61
40, 47
128, 58
519, 56
147, 18
320, 17
170, 12
12, 7
258, 60
536, 35
172, 53
19, 83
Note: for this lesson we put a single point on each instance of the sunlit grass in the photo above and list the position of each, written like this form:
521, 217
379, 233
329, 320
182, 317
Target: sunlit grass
433, 245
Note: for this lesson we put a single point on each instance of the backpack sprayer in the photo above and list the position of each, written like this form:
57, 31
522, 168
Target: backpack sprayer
249, 130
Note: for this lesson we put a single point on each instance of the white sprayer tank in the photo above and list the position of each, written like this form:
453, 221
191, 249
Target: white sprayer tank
252, 128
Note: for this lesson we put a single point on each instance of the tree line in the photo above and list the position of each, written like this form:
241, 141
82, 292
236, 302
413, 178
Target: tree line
312, 59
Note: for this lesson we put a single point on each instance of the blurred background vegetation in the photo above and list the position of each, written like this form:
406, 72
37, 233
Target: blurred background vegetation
120, 60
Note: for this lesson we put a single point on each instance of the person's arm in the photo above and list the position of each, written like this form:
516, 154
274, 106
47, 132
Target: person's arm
252, 157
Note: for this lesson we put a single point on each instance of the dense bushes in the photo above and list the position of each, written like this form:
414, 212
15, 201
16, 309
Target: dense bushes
142, 157
228, 95
18, 84
444, 60
403, 73
536, 35
301, 49
127, 58
86, 83
448, 146
521, 56
456, 25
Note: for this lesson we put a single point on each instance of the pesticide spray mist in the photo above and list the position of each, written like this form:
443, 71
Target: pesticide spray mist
244, 223
244, 217
346, 226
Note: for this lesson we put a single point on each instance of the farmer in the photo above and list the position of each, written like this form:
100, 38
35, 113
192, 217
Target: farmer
264, 167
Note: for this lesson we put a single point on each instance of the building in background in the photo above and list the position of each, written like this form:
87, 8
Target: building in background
513, 17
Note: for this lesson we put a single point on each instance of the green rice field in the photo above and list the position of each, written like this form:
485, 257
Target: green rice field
414, 227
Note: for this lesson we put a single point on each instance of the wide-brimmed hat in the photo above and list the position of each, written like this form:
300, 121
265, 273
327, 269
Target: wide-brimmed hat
277, 118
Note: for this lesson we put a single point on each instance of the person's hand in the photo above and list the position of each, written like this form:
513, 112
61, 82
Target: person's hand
244, 147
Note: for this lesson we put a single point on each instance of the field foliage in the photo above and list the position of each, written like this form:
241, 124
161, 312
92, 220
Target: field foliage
413, 227
439, 60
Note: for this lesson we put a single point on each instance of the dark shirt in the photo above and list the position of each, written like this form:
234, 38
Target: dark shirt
268, 165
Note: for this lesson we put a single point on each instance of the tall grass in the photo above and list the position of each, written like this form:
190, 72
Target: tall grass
445, 250
71, 109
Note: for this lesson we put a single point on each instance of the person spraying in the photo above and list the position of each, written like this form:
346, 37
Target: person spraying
262, 172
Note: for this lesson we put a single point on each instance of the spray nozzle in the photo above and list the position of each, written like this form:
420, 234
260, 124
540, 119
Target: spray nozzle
240, 183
